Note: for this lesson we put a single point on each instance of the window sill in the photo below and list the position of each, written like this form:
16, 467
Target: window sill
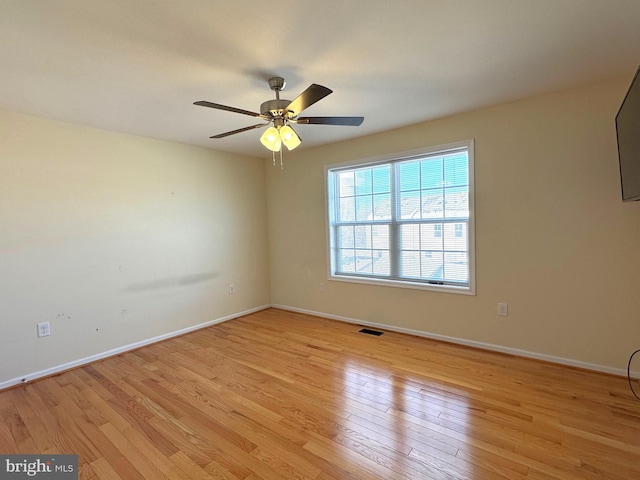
405, 284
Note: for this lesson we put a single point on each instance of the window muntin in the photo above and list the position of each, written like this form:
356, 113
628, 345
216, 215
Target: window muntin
406, 220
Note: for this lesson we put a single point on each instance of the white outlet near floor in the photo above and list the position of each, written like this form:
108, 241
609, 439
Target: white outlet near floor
503, 309
321, 286
232, 288
44, 329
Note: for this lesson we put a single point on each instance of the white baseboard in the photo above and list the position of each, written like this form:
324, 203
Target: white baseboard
460, 341
471, 343
116, 351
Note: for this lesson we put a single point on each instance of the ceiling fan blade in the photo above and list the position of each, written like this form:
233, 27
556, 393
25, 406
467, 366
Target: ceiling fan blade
233, 132
204, 103
307, 98
348, 121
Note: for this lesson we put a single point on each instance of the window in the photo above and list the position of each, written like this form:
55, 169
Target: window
405, 220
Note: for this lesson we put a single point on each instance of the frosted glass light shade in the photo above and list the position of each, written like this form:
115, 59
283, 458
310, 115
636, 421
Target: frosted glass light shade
271, 139
289, 137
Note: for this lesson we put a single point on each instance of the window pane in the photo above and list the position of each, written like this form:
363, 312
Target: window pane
382, 207
410, 205
364, 261
363, 236
381, 263
432, 204
457, 266
380, 237
364, 208
409, 176
432, 173
410, 264
433, 265
363, 182
455, 237
431, 236
382, 179
346, 181
347, 260
457, 202
410, 237
347, 210
456, 171
346, 238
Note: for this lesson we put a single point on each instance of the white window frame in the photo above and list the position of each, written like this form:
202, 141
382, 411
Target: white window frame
330, 216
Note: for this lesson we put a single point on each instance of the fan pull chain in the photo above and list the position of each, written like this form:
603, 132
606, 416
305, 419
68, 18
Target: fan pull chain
281, 163
273, 154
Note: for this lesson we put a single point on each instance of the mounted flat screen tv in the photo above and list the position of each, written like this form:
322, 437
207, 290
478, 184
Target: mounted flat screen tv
628, 131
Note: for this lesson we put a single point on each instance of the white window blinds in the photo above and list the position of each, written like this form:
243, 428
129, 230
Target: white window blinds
406, 219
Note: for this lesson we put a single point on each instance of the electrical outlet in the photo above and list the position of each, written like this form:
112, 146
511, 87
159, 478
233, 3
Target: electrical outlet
321, 286
232, 288
44, 329
503, 309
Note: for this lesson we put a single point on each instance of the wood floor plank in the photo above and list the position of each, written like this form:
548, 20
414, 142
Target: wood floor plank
8, 438
34, 425
104, 470
146, 467
283, 395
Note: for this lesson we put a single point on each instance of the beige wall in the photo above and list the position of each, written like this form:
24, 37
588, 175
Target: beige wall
116, 239
553, 238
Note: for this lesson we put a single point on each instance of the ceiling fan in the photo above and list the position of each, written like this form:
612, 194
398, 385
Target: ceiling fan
280, 113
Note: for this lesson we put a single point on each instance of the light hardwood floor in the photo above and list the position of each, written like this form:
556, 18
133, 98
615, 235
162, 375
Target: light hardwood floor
279, 395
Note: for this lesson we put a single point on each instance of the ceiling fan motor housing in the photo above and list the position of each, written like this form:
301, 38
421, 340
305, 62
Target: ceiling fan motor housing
274, 108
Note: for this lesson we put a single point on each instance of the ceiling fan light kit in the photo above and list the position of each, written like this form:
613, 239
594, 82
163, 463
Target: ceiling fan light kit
279, 113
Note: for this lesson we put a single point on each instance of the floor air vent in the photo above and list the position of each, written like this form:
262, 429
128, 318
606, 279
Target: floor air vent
371, 332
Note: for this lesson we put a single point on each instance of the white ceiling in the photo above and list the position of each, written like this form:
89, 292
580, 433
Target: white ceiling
137, 66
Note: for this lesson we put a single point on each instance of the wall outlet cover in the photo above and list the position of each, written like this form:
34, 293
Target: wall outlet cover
44, 329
